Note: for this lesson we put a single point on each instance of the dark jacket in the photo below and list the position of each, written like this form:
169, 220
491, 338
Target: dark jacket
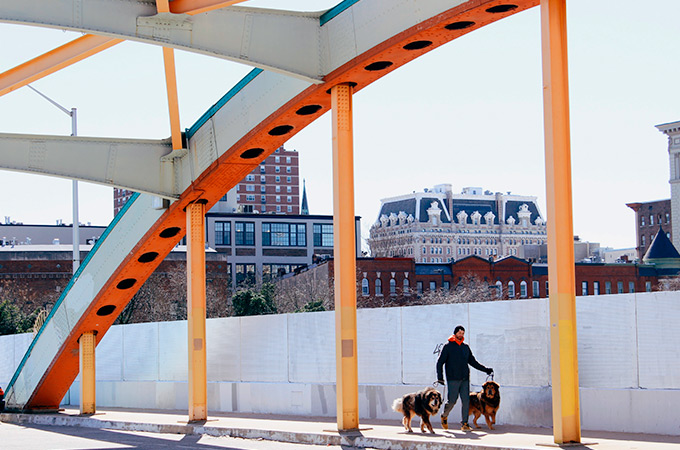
456, 358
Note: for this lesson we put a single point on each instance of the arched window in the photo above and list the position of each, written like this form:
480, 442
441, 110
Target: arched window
364, 287
523, 289
511, 289
393, 286
407, 289
378, 286
499, 289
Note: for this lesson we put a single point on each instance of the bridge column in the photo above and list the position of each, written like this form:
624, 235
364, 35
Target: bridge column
196, 311
344, 248
87, 343
563, 345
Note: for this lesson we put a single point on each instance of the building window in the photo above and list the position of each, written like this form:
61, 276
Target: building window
407, 288
277, 159
596, 288
290, 208
245, 233
446, 285
278, 199
607, 287
523, 289
289, 189
223, 199
284, 234
511, 289
433, 285
250, 198
278, 179
250, 177
547, 291
323, 235
289, 198
288, 159
288, 179
648, 286
277, 169
263, 189
263, 179
247, 208
642, 221
668, 218
222, 233
631, 286
364, 287
272, 271
278, 189
250, 188
278, 208
584, 288
642, 240
419, 287
393, 287
245, 274
378, 286
499, 289
651, 220
619, 286
262, 170
263, 199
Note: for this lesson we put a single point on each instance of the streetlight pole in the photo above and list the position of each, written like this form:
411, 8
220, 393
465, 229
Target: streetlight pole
76, 227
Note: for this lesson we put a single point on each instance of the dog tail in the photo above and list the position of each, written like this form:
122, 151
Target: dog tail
398, 405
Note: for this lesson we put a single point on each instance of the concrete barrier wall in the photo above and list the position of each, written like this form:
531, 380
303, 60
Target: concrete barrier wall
628, 349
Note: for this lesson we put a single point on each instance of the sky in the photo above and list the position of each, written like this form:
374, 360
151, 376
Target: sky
469, 113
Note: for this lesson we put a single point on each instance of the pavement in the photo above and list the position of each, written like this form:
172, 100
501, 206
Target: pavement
372, 434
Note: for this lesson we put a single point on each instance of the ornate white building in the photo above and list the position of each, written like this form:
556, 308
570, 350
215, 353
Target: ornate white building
437, 226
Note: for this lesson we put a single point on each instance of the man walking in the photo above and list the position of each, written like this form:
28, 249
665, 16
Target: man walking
456, 356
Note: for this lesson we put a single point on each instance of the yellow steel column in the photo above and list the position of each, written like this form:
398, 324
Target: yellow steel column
563, 345
87, 373
344, 248
196, 311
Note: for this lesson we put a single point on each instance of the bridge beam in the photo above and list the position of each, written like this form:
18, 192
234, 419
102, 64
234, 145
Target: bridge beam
347, 378
133, 164
563, 345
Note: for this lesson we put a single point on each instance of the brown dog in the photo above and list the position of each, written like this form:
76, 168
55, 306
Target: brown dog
423, 403
486, 402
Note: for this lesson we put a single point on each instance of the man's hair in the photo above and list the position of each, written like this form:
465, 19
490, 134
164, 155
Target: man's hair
458, 328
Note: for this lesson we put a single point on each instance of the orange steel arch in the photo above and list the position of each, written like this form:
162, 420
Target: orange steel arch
244, 156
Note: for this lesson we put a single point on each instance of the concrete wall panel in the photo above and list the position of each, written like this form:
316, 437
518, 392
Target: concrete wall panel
275, 398
379, 345
658, 316
223, 347
424, 328
512, 338
606, 344
7, 360
140, 352
311, 346
264, 348
173, 357
109, 355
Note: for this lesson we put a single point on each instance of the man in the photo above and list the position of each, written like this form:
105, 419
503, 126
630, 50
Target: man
456, 356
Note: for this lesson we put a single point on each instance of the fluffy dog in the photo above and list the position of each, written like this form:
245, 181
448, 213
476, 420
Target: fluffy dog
423, 403
486, 402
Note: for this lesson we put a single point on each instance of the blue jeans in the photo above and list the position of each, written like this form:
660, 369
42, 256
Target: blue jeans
455, 388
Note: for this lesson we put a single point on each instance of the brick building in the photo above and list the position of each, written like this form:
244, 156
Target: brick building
648, 217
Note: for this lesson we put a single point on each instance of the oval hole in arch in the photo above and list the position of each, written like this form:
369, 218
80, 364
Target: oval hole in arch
308, 110
459, 25
170, 232
280, 130
378, 65
252, 153
501, 8
147, 257
126, 283
417, 45
106, 310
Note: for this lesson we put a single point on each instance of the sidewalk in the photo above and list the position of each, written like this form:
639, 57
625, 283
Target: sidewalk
320, 431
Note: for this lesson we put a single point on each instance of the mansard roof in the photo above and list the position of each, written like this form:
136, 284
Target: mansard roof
661, 247
426, 202
472, 205
512, 207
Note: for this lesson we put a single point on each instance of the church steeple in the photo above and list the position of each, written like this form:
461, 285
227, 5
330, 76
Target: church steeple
305, 208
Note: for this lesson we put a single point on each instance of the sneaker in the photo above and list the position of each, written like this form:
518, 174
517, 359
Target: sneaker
465, 427
445, 423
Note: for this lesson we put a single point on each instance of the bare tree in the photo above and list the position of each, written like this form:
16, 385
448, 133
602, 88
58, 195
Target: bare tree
669, 284
314, 285
471, 288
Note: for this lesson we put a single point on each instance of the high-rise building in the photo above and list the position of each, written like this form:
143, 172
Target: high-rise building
271, 188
